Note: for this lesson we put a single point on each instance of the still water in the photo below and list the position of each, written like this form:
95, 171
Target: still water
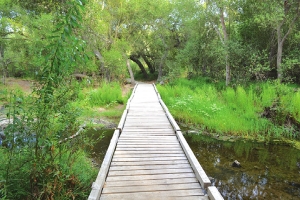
267, 171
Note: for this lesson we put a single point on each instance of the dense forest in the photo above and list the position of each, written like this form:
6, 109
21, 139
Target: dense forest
218, 60
232, 40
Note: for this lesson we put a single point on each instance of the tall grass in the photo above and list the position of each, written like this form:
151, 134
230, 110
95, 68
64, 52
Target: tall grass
235, 111
106, 94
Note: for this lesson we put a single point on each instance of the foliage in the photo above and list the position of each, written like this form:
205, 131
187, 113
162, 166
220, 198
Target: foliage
38, 162
265, 109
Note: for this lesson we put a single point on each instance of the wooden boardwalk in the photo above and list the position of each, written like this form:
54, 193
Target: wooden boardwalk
148, 158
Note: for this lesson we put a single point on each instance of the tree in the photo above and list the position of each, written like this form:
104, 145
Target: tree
281, 17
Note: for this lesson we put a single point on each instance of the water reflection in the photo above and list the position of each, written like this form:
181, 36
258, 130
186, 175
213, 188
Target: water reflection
267, 172
101, 140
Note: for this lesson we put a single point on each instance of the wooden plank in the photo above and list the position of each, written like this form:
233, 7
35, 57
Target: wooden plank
163, 105
127, 196
149, 145
137, 142
155, 89
148, 140
150, 134
150, 177
147, 159
148, 125
213, 193
150, 182
144, 167
172, 121
142, 150
98, 184
149, 155
122, 121
131, 96
160, 130
150, 188
153, 162
121, 152
154, 194
149, 172
200, 173
146, 137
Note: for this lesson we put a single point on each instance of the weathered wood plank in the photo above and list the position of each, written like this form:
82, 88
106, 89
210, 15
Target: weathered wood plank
200, 173
149, 172
122, 121
146, 137
150, 182
213, 193
149, 145
153, 162
122, 141
148, 155
150, 188
127, 196
146, 159
150, 177
147, 151
145, 167
154, 194
140, 130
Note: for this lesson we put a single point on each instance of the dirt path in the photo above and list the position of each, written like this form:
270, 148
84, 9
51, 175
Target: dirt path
24, 85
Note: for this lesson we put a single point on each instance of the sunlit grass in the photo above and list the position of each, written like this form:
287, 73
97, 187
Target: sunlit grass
105, 101
234, 111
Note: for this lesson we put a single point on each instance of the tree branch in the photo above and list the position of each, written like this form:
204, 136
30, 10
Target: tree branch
292, 24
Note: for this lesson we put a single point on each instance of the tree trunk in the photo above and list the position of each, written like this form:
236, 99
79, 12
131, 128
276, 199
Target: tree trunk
102, 65
164, 56
159, 77
225, 42
279, 60
280, 41
141, 66
3, 64
150, 66
130, 72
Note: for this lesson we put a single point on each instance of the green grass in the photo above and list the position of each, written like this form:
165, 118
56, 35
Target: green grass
107, 94
233, 111
105, 101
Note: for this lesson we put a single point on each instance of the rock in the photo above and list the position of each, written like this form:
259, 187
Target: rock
236, 164
212, 180
128, 81
192, 132
2, 135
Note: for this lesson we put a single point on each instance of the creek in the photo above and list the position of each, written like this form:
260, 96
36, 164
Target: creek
268, 171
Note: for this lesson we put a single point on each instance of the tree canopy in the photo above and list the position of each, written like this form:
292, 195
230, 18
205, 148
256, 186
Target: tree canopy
232, 41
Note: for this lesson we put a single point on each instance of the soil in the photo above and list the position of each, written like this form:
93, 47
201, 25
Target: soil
24, 85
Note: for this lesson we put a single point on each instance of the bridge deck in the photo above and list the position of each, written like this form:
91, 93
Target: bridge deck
148, 157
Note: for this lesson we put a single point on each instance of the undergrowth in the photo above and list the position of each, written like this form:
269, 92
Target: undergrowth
260, 110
